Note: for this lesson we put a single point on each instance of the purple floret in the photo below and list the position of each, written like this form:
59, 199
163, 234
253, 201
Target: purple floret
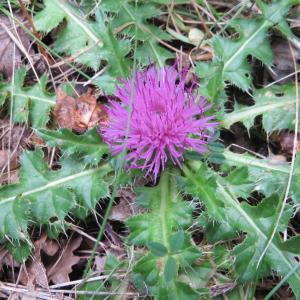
166, 120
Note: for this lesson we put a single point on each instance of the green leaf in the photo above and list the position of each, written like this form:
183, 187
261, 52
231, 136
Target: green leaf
91, 287
202, 186
43, 195
239, 183
134, 19
234, 52
276, 104
92, 41
20, 250
157, 249
211, 79
216, 230
166, 213
230, 55
177, 241
268, 175
187, 255
257, 222
31, 104
177, 290
170, 270
150, 51
292, 244
158, 229
88, 145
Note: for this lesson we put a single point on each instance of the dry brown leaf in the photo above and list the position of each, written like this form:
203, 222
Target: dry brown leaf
12, 142
286, 141
6, 259
99, 263
126, 207
34, 272
6, 155
60, 270
78, 113
64, 109
283, 61
7, 45
17, 136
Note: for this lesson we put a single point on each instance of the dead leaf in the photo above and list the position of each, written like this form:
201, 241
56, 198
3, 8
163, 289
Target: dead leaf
12, 142
78, 113
220, 289
6, 259
60, 270
17, 136
286, 141
283, 61
99, 263
64, 109
34, 272
6, 155
50, 247
7, 45
12, 178
126, 207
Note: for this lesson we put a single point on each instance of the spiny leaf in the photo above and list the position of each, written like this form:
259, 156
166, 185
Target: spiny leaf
31, 104
177, 290
216, 230
157, 249
88, 145
170, 271
92, 42
157, 229
42, 194
202, 186
248, 253
268, 175
234, 52
136, 16
230, 55
276, 104
166, 213
257, 222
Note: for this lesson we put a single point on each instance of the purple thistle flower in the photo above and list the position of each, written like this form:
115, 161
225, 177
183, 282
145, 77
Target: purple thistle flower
166, 119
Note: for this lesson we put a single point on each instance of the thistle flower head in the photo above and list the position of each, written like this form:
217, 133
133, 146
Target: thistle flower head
156, 119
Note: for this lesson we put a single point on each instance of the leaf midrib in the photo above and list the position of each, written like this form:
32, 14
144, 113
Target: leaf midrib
237, 206
76, 19
252, 161
95, 145
241, 49
51, 184
265, 24
252, 111
52, 102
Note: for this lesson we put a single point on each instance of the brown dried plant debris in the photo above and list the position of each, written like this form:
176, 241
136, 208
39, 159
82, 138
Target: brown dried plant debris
283, 61
50, 262
286, 141
78, 113
11, 143
60, 270
126, 207
9, 51
6, 259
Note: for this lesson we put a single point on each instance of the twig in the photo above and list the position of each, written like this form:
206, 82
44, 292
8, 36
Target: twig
282, 206
36, 34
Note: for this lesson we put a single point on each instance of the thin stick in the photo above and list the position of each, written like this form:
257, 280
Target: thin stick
292, 164
36, 34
